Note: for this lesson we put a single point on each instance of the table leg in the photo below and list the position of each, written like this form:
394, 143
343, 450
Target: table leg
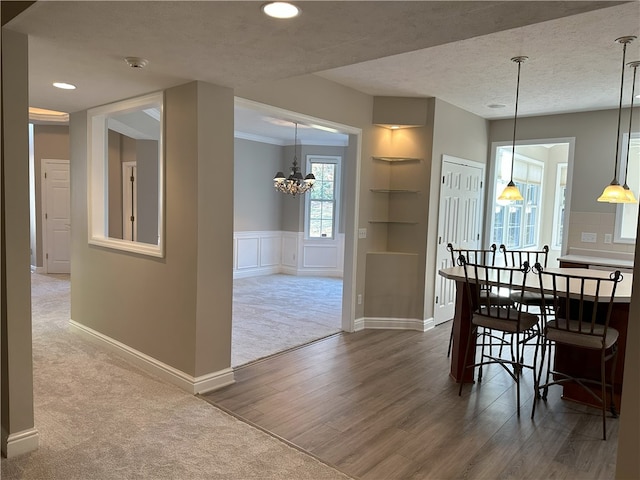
461, 326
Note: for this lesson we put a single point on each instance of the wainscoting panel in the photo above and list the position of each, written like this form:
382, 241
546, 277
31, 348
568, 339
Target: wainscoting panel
248, 253
270, 250
290, 249
320, 256
266, 253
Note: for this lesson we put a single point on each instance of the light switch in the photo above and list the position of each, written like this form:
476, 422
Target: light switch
588, 237
362, 233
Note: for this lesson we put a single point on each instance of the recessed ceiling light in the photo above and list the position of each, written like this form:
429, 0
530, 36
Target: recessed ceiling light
64, 86
280, 10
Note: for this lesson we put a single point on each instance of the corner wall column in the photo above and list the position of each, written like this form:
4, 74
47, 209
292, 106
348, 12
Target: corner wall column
18, 432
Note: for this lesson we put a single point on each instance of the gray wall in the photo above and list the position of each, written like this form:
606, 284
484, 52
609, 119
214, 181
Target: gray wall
257, 205
49, 142
595, 147
461, 134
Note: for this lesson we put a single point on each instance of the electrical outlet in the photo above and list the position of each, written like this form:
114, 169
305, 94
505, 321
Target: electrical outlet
588, 237
607, 238
362, 233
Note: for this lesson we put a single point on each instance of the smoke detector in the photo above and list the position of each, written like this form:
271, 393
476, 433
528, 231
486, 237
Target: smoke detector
136, 62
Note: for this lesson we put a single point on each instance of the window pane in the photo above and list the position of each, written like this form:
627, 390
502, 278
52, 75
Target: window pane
315, 209
514, 225
314, 228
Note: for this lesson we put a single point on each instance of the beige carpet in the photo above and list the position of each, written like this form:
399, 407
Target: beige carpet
277, 312
101, 418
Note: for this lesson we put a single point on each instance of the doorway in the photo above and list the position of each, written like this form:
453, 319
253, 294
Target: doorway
542, 171
272, 237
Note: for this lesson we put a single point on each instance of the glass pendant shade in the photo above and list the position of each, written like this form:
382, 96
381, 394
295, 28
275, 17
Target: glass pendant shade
613, 193
511, 193
630, 197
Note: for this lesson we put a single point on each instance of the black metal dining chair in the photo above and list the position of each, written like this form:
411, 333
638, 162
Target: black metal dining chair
483, 256
496, 315
582, 312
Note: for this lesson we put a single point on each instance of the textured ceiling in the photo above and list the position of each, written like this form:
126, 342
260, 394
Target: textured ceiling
458, 51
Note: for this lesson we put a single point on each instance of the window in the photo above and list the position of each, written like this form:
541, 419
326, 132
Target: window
322, 200
627, 213
516, 224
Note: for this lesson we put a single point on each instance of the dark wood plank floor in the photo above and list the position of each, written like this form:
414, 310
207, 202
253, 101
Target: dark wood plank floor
379, 404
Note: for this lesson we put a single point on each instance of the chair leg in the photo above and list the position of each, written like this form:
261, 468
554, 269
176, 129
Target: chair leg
518, 370
450, 340
612, 405
537, 377
603, 392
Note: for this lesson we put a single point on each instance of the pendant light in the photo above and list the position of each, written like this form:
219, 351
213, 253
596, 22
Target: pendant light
511, 192
629, 197
614, 192
294, 184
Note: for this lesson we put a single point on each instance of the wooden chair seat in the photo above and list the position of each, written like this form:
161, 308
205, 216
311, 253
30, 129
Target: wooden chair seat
557, 331
504, 320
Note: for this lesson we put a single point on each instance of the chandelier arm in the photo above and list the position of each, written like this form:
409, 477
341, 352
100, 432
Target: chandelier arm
615, 168
633, 91
515, 120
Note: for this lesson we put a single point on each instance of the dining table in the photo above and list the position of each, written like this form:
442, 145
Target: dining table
573, 361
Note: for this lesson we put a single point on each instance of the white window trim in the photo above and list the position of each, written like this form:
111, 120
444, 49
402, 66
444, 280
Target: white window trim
618, 238
97, 144
556, 243
491, 184
337, 160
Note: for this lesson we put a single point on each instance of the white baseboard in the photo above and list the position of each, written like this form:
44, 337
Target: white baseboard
311, 272
19, 443
386, 323
193, 385
255, 272
39, 270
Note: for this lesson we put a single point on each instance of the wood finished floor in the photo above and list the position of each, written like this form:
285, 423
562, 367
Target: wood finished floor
379, 404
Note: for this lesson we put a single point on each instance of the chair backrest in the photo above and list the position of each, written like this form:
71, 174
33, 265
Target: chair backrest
515, 258
501, 281
586, 300
478, 255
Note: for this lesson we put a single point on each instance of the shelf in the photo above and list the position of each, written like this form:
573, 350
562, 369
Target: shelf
397, 159
390, 221
393, 190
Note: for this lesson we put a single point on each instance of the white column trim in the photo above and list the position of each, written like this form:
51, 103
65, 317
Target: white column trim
19, 443
388, 323
193, 385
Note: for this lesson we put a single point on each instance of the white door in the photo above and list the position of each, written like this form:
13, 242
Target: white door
56, 214
459, 223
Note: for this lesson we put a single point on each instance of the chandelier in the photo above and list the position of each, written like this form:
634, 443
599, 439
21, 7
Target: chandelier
295, 184
511, 192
